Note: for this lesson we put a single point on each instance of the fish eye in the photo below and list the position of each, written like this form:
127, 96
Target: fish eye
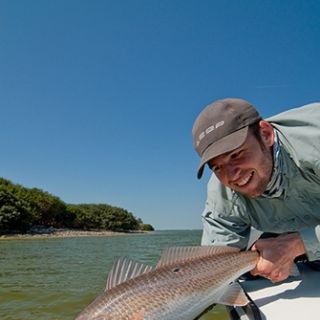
176, 270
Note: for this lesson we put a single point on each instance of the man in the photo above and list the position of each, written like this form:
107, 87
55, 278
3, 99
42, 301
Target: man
266, 176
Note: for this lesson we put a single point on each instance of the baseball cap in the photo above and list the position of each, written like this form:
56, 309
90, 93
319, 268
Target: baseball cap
222, 127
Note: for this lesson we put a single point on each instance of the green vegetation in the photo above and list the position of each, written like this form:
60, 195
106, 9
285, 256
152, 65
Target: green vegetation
22, 208
147, 227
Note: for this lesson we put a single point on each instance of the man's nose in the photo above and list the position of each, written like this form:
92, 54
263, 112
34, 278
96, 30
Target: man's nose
233, 172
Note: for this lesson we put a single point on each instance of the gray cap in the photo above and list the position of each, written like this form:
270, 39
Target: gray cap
222, 127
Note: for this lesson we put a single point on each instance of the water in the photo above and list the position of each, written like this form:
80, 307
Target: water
54, 279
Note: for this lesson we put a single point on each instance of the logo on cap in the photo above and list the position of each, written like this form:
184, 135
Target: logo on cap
208, 130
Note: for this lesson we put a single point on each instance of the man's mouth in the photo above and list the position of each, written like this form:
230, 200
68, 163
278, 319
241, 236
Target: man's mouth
242, 182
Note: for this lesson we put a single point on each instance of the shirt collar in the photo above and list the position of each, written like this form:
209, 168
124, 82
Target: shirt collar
275, 186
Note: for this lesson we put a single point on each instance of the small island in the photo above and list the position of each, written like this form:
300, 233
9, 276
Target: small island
33, 212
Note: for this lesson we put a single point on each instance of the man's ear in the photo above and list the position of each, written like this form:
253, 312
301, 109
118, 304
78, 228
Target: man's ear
266, 133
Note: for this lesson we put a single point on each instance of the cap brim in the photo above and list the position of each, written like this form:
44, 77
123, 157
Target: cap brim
226, 144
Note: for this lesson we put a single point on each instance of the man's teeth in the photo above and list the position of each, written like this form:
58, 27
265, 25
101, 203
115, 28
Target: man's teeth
245, 180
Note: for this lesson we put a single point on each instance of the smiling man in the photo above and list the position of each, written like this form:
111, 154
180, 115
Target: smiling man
266, 175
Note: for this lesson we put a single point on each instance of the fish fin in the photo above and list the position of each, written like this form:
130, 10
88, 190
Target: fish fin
175, 254
234, 296
124, 269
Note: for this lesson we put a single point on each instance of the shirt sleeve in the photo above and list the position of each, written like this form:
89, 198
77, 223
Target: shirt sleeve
223, 226
224, 232
311, 240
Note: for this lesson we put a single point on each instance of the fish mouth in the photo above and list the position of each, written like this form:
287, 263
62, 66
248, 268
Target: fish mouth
245, 180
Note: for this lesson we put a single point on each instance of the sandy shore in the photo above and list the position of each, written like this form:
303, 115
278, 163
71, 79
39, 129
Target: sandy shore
64, 233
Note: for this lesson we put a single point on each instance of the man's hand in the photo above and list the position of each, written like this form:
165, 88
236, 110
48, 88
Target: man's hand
277, 255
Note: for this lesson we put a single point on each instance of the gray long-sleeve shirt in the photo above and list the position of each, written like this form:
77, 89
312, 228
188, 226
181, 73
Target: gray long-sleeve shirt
228, 216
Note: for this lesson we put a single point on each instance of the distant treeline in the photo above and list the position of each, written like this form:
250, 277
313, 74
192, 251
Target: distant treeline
22, 208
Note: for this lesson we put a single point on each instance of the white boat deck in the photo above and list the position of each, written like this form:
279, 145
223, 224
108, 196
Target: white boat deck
296, 298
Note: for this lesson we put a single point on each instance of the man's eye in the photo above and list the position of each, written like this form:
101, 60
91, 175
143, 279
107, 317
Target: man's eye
215, 169
235, 155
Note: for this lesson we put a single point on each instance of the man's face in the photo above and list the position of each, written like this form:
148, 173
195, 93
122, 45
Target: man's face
247, 169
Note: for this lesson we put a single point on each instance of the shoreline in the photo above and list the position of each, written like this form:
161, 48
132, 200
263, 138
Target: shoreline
64, 233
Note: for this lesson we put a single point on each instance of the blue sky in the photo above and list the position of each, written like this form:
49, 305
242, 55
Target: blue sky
98, 98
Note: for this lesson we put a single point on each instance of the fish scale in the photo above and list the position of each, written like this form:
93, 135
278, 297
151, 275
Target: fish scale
177, 290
